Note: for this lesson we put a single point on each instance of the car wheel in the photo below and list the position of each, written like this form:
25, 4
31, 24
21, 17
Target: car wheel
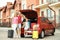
42, 34
53, 31
22, 36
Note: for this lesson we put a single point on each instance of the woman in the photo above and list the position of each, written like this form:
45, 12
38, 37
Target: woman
15, 23
19, 23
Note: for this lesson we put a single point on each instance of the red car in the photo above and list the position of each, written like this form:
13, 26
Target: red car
44, 25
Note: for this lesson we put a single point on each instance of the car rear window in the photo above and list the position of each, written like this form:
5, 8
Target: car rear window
43, 19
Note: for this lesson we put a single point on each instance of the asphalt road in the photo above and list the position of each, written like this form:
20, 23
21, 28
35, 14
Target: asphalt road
4, 36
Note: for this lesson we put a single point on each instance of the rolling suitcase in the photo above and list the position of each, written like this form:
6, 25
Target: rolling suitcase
10, 33
22, 32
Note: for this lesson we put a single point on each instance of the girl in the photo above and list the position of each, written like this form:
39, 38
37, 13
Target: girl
35, 32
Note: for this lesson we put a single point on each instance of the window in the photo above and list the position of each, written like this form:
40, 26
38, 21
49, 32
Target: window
43, 19
42, 1
49, 13
16, 5
55, 1
49, 1
59, 16
28, 7
23, 6
0, 14
42, 13
32, 6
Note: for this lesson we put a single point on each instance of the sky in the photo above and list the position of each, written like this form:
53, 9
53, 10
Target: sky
4, 2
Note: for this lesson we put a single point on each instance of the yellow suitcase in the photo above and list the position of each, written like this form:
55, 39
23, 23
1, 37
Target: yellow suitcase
35, 34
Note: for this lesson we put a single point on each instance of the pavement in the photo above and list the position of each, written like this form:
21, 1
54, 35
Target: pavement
4, 35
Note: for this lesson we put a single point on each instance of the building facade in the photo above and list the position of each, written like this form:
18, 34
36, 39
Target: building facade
41, 6
47, 12
29, 4
7, 11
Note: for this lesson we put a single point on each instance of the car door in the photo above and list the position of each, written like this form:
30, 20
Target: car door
44, 23
49, 25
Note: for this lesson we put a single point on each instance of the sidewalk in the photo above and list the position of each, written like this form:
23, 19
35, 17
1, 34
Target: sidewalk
4, 35
5, 28
57, 31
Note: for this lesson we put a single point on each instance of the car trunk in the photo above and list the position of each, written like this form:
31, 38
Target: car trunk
30, 14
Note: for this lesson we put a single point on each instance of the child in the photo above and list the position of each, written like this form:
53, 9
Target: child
35, 32
27, 25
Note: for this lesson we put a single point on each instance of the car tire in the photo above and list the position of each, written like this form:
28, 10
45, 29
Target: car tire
42, 35
22, 32
22, 36
53, 31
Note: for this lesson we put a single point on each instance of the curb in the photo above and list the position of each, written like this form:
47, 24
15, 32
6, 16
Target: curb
5, 28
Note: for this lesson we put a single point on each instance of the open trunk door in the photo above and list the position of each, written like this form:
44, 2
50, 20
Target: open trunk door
30, 14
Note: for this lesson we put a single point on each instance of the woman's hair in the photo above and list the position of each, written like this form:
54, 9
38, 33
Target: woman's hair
24, 20
15, 14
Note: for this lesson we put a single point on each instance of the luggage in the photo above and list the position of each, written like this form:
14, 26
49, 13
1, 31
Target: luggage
10, 33
35, 34
22, 32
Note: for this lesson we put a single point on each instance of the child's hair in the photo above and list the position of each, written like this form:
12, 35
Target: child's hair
35, 27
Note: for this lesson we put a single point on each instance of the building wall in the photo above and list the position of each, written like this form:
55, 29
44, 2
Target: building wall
38, 12
44, 9
56, 8
6, 19
52, 14
30, 3
57, 15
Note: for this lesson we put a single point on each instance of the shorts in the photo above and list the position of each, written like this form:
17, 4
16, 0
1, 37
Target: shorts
14, 26
19, 25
